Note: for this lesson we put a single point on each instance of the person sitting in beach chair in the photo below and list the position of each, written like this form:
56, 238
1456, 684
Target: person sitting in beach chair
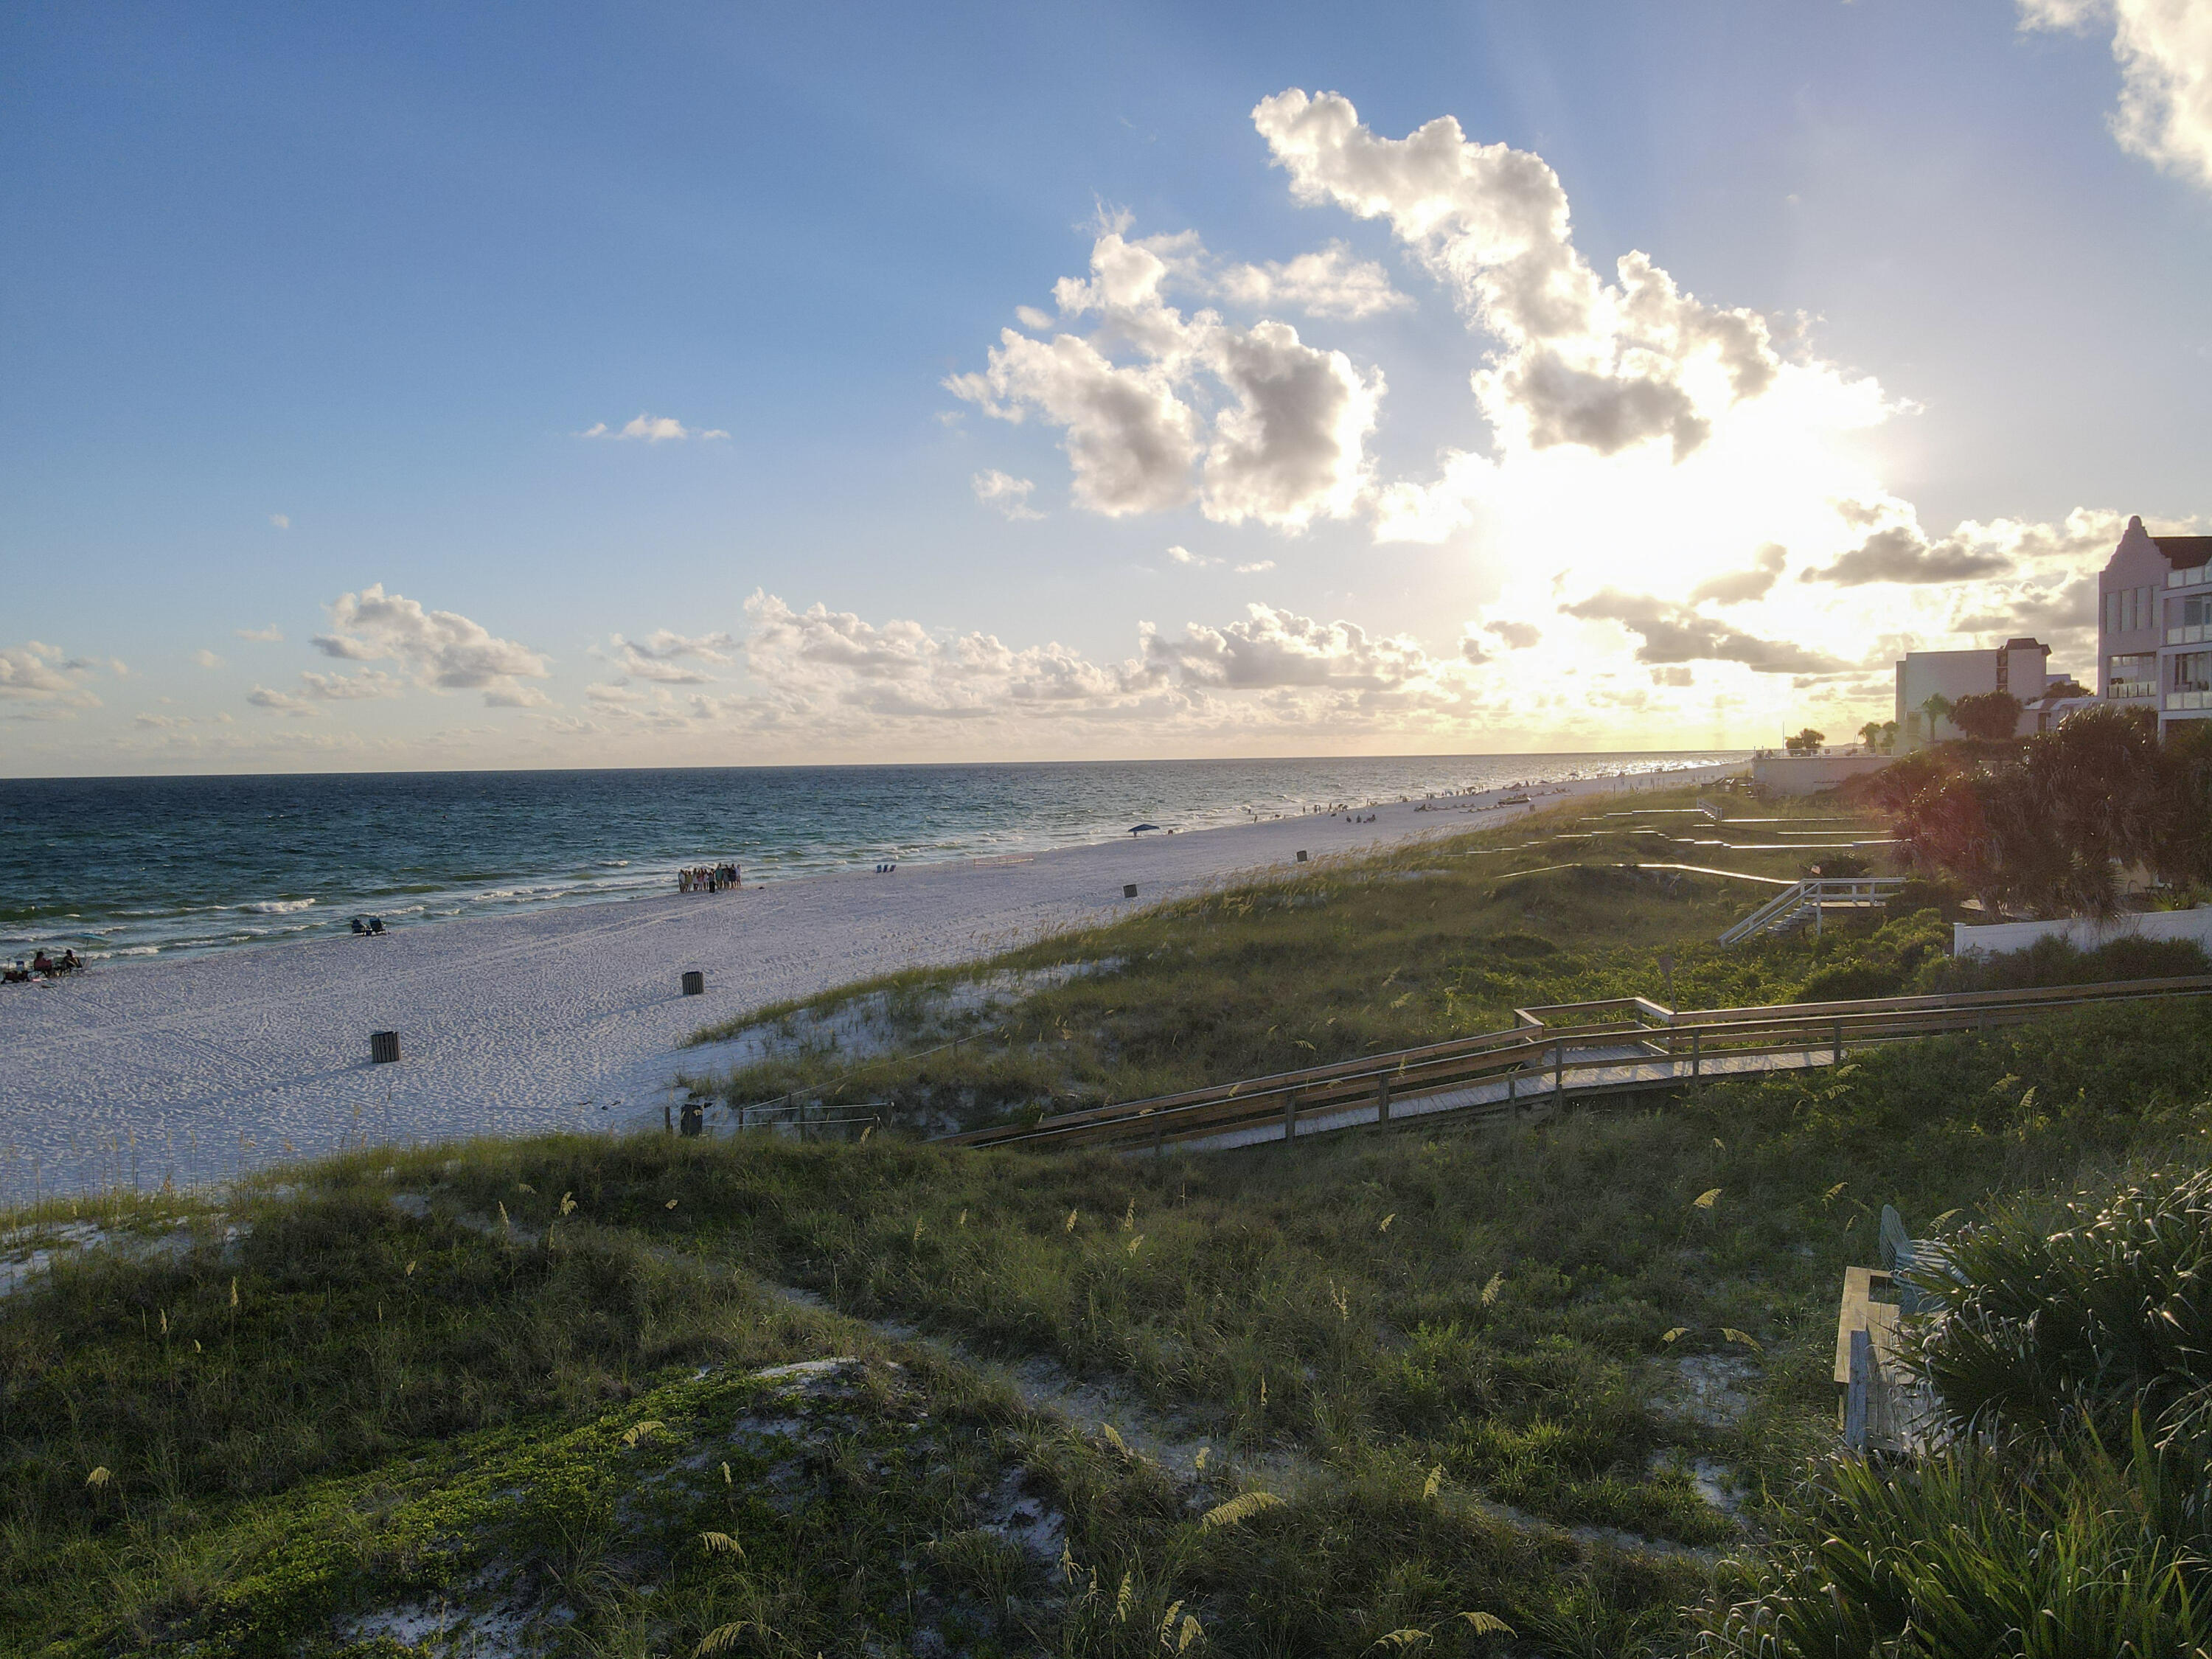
360, 926
19, 975
376, 924
69, 963
42, 963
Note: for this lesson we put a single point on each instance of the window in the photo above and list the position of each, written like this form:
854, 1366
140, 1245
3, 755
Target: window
2133, 675
2192, 671
2188, 621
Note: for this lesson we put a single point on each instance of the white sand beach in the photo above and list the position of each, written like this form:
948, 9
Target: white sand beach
194, 1069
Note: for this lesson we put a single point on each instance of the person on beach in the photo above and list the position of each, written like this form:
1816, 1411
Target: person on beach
42, 963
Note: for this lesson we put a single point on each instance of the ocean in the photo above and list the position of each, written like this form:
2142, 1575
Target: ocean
145, 866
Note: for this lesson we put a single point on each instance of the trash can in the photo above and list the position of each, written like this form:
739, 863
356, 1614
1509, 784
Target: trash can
1302, 855
383, 1048
1129, 890
694, 983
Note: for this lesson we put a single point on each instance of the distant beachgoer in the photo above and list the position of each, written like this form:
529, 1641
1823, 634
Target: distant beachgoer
42, 963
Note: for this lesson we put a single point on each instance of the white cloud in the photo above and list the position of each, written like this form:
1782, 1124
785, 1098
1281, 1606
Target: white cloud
351, 688
207, 659
272, 634
439, 649
653, 430
281, 703
662, 655
1329, 282
1582, 362
281, 520
2164, 49
1130, 439
1184, 555
1011, 495
1287, 447
1256, 567
1292, 447
45, 676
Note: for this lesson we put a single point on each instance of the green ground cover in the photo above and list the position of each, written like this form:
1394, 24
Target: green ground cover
516, 1388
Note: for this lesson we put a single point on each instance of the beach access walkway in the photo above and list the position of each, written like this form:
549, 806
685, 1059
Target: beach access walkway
1549, 1058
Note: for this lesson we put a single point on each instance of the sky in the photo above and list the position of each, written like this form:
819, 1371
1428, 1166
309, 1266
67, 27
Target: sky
408, 387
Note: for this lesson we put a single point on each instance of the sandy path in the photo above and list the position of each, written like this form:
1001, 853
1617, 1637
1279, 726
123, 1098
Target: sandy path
194, 1068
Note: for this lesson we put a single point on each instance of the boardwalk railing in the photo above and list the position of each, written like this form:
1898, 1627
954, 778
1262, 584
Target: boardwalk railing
1820, 895
1553, 1054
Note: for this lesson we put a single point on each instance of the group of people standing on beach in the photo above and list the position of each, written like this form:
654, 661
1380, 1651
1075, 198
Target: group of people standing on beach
708, 878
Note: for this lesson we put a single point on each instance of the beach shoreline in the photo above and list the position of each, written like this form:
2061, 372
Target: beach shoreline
199, 1068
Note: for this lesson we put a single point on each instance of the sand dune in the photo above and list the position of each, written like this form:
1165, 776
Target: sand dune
192, 1069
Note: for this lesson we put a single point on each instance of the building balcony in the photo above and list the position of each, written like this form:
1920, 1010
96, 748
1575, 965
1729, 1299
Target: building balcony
2187, 702
2195, 576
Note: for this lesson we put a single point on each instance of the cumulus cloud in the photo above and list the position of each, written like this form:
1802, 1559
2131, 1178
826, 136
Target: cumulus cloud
1272, 648
1011, 495
1901, 553
351, 688
652, 429
1290, 447
1605, 366
1742, 586
42, 674
2164, 49
206, 659
1184, 555
1518, 636
664, 656
1256, 567
281, 703
1331, 282
272, 634
1287, 446
440, 650
1674, 634
1131, 441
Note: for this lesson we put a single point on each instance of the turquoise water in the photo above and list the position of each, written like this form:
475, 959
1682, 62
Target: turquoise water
141, 867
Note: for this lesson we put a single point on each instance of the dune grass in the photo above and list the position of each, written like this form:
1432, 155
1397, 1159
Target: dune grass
1438, 1373
1424, 1323
1353, 956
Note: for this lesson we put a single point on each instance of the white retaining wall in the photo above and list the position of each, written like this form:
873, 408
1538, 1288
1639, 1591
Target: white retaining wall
2086, 932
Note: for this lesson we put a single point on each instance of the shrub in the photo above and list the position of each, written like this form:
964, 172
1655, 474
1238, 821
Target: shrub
2106, 1314
2056, 961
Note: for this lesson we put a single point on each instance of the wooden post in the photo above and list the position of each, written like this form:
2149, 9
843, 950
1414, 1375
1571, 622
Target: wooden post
1840, 1042
1290, 1118
1159, 1138
1382, 1101
1697, 1054
1855, 1392
1559, 1077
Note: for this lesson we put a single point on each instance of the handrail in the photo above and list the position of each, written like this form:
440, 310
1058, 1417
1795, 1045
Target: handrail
1568, 1054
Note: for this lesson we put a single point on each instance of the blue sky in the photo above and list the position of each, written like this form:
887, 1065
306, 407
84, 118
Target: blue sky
304, 316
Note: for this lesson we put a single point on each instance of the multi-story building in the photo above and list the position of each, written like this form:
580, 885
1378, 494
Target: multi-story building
2020, 666
2155, 624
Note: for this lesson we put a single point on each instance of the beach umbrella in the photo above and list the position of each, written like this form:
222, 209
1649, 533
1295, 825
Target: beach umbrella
1140, 829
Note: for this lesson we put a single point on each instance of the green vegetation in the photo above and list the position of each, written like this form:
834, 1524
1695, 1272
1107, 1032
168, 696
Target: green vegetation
2050, 823
1346, 959
2068, 1345
1462, 1391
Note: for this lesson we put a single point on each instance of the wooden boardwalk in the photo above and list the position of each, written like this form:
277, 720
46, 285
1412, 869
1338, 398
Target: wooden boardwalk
1551, 1056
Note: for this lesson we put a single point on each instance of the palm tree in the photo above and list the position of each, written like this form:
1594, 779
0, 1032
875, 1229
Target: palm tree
1937, 707
1870, 735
